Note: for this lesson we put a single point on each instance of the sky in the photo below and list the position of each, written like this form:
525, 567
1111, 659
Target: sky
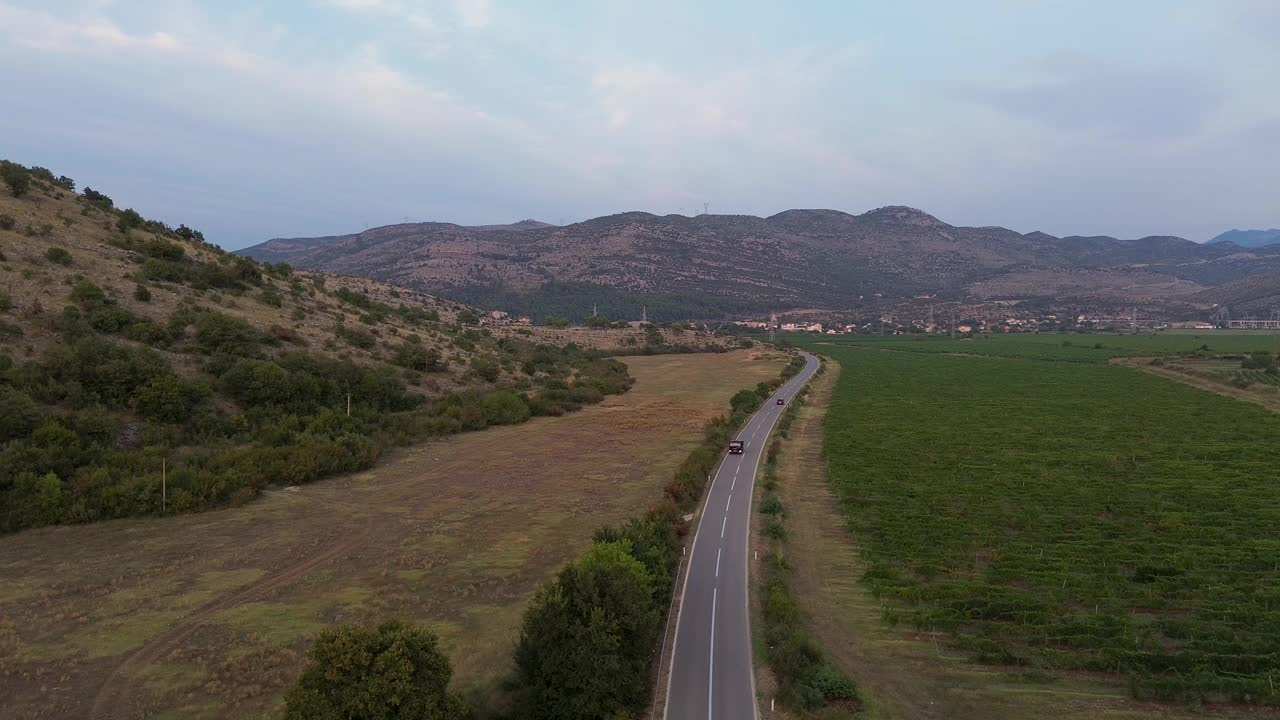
252, 120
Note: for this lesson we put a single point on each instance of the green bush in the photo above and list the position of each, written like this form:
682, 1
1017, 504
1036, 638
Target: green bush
168, 399
415, 356
355, 336
7, 222
504, 408
58, 256
128, 220
216, 333
774, 529
772, 505
142, 294
6, 301
392, 672
16, 177
654, 541
587, 640
19, 415
269, 296
486, 370
163, 249
97, 199
744, 402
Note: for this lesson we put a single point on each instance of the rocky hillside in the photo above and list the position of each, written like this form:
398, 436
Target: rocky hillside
1257, 296
709, 265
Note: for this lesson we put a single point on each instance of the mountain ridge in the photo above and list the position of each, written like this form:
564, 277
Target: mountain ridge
1248, 238
709, 265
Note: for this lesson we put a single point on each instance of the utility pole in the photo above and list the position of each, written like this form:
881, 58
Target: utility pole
953, 323
644, 313
348, 404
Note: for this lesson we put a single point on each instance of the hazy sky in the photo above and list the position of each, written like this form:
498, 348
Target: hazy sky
320, 117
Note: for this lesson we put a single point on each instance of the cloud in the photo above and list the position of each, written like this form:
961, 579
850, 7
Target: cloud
46, 32
360, 4
1074, 93
474, 14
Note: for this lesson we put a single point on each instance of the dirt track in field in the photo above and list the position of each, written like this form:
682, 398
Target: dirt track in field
210, 615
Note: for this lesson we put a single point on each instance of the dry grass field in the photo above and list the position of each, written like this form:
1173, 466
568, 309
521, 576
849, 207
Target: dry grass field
210, 615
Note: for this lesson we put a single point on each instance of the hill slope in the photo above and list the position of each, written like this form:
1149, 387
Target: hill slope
1255, 295
708, 265
144, 370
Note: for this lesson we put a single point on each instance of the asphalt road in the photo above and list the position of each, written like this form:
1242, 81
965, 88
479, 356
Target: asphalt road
711, 672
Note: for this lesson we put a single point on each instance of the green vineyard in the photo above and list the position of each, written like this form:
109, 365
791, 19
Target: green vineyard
1066, 515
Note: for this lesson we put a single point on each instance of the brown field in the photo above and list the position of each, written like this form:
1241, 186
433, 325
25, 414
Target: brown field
210, 615
904, 675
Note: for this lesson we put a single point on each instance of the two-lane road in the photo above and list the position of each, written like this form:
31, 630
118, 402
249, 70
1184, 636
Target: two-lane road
711, 673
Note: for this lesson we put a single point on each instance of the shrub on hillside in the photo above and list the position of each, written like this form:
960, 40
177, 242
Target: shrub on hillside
486, 370
216, 333
354, 336
163, 249
97, 199
7, 222
16, 177
504, 408
392, 672
168, 399
142, 294
6, 301
128, 220
416, 356
18, 414
58, 256
91, 369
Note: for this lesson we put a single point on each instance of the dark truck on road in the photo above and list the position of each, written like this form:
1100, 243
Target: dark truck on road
737, 446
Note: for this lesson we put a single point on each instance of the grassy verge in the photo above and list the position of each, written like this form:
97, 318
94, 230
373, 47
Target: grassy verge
806, 681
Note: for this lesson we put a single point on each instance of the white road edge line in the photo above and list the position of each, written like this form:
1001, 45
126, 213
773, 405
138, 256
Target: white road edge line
717, 563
